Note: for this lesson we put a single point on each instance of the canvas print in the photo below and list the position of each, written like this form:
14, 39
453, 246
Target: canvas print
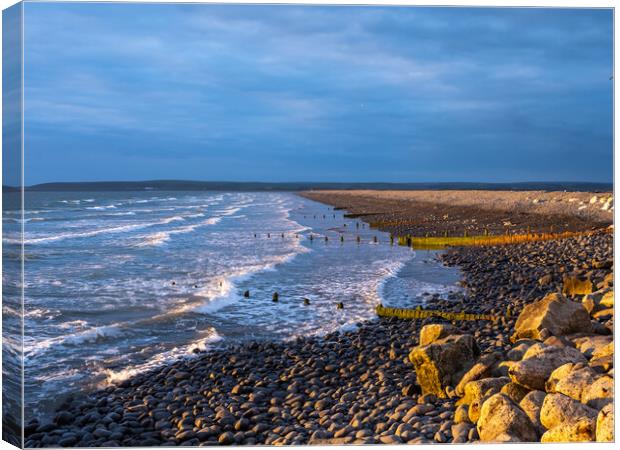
233, 224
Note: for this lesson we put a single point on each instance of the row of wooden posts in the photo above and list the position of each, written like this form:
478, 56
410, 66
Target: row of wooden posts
326, 238
276, 298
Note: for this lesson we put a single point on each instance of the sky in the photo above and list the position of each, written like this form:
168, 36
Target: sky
309, 93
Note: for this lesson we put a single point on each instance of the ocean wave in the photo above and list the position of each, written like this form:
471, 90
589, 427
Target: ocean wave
226, 291
172, 219
164, 358
220, 295
32, 219
77, 202
154, 239
90, 233
101, 208
18, 212
231, 211
41, 313
161, 237
73, 325
35, 347
389, 270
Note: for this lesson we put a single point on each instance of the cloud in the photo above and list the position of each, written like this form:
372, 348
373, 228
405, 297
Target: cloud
370, 87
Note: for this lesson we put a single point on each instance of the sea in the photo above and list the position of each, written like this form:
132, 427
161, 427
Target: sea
118, 283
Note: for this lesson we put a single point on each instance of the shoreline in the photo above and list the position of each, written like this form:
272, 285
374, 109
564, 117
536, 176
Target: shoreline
345, 387
473, 212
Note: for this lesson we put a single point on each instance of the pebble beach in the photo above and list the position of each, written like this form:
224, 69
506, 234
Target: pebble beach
392, 381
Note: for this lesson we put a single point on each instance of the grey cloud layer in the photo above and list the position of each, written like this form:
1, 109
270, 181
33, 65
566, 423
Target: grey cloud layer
267, 93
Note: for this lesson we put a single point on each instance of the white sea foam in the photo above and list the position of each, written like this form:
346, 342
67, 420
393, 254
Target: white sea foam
41, 313
34, 346
172, 219
224, 292
161, 237
90, 233
390, 270
161, 359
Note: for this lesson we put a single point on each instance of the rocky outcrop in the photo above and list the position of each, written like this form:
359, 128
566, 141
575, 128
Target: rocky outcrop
503, 420
442, 363
554, 313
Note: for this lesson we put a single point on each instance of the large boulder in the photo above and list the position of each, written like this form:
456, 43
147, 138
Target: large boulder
431, 333
443, 362
555, 313
573, 286
605, 424
515, 391
518, 350
603, 364
559, 374
575, 383
539, 362
460, 432
531, 404
559, 408
481, 369
501, 416
600, 393
608, 299
606, 350
580, 430
594, 302
604, 314
476, 392
590, 344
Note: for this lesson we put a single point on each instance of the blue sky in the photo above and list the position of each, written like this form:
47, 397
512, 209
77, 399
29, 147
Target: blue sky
284, 93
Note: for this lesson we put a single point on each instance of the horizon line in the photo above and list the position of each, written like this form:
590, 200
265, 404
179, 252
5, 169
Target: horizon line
103, 183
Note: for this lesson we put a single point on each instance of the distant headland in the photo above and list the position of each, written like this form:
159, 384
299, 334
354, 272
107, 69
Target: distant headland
185, 185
